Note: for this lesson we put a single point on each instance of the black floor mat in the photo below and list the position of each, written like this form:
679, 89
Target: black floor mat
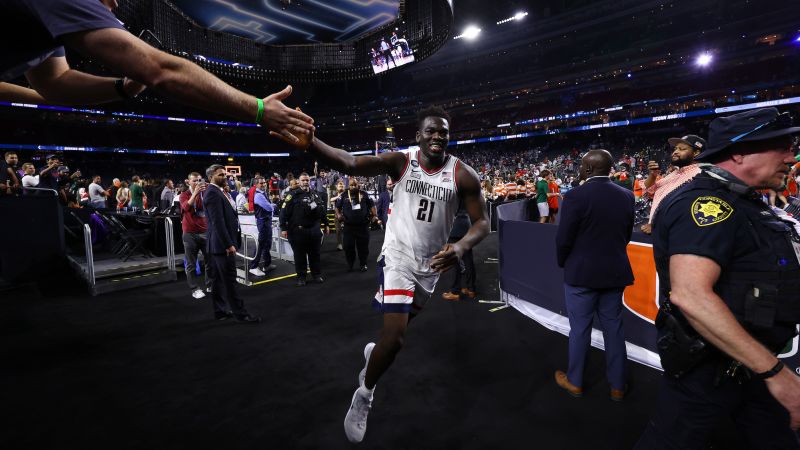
149, 369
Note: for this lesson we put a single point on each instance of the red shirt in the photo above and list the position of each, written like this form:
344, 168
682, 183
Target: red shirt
274, 185
193, 219
552, 202
251, 198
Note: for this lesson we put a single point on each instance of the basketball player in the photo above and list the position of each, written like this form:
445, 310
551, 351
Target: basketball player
429, 184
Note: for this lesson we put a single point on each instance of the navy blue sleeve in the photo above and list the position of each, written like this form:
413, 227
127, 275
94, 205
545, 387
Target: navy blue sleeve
631, 215
62, 17
568, 228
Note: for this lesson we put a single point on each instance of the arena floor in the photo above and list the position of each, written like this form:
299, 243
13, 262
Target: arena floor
150, 369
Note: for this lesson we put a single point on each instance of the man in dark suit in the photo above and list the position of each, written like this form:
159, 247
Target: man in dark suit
223, 237
596, 226
384, 200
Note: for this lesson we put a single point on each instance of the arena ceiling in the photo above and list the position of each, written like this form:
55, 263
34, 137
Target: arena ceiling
286, 22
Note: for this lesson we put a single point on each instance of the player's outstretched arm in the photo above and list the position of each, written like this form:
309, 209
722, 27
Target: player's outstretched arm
391, 164
12, 93
469, 190
185, 81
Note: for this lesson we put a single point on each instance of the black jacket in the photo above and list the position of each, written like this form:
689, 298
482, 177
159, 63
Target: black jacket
593, 235
223, 221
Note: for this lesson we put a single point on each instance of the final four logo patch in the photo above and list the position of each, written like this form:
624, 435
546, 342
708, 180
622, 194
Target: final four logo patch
710, 210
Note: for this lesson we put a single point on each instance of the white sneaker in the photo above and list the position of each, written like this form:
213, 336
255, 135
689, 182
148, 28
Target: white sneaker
257, 272
367, 353
198, 294
355, 422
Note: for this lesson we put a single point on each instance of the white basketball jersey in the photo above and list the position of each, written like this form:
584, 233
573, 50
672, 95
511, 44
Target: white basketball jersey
421, 214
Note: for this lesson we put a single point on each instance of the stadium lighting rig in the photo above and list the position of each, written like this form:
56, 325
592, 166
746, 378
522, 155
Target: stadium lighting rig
469, 33
518, 16
704, 59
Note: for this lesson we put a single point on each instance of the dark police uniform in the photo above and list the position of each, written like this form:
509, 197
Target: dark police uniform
718, 217
356, 211
301, 216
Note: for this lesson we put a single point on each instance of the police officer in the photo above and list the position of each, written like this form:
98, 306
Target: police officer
301, 216
263, 209
355, 209
729, 267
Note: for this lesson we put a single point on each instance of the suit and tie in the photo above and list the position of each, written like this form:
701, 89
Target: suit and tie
223, 233
596, 225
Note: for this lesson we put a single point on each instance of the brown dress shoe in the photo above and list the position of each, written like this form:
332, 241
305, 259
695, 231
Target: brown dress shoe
563, 383
618, 395
468, 293
450, 296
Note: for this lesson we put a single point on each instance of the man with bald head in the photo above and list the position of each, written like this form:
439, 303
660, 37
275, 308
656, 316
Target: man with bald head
596, 226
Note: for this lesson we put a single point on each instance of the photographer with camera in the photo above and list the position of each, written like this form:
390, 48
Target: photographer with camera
194, 224
56, 176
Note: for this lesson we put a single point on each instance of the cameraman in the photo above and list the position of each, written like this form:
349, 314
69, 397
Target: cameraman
194, 224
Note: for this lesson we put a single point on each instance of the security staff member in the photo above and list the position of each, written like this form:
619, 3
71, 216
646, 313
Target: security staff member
263, 209
729, 267
355, 209
301, 216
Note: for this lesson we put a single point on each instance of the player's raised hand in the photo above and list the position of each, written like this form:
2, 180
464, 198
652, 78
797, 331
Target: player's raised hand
284, 122
447, 258
300, 140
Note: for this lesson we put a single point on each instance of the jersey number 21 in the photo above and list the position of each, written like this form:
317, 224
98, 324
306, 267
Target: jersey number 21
425, 212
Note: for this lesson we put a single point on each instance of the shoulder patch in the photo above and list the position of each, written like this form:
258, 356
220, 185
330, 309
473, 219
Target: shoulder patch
288, 198
710, 210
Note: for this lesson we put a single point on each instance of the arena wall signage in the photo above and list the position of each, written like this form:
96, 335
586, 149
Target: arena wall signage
534, 286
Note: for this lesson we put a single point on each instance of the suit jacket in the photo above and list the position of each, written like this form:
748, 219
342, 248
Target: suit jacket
595, 228
223, 221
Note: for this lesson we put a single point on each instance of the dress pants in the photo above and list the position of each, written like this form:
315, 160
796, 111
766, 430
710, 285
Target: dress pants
582, 303
193, 244
689, 408
356, 238
264, 245
223, 287
388, 54
306, 243
465, 271
339, 228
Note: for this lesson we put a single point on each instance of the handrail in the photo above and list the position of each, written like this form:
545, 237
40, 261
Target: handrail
244, 246
25, 189
169, 243
244, 254
87, 242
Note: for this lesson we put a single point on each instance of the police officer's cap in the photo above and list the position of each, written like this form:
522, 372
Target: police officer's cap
692, 140
748, 126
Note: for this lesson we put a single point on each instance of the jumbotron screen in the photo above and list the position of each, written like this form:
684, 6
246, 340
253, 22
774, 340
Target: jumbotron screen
390, 52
